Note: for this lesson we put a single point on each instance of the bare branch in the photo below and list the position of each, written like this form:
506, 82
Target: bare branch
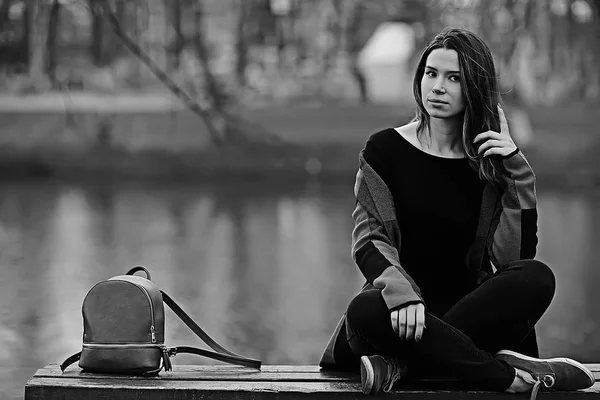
161, 75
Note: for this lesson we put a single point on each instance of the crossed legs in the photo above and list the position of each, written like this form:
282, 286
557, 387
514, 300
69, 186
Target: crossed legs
459, 346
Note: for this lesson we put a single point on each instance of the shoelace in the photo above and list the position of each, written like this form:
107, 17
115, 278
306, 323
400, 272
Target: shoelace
393, 374
546, 380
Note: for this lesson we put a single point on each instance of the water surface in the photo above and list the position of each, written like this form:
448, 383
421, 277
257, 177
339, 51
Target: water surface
264, 268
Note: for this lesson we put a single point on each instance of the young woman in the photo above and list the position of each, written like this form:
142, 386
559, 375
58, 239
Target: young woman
438, 201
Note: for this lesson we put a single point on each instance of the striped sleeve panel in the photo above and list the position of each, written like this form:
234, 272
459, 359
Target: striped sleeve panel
376, 240
515, 237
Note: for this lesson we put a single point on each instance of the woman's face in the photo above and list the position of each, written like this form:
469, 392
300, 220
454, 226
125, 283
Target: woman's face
440, 86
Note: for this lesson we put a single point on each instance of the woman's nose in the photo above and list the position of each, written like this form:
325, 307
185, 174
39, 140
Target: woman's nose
438, 87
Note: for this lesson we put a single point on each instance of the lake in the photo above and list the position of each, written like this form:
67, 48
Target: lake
264, 267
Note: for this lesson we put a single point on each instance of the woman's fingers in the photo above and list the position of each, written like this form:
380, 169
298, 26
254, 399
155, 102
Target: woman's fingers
394, 318
487, 135
402, 323
498, 151
490, 143
503, 122
409, 322
420, 322
494, 143
411, 319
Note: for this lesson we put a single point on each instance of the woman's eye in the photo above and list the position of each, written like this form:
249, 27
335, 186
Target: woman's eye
455, 78
430, 74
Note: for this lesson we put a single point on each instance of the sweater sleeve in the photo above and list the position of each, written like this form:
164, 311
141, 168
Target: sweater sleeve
376, 235
515, 236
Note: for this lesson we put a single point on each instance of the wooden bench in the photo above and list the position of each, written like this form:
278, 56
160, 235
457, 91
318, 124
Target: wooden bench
188, 382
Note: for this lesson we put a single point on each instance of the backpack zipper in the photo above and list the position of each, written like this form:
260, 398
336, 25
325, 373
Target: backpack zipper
152, 329
165, 355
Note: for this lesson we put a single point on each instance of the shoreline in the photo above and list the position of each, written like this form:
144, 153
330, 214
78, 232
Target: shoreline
283, 163
279, 143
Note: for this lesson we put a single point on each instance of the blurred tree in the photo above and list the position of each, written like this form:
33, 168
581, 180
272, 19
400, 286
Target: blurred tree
202, 52
4, 9
53, 24
243, 14
596, 5
353, 22
215, 95
211, 113
38, 22
14, 36
175, 41
546, 49
104, 45
97, 31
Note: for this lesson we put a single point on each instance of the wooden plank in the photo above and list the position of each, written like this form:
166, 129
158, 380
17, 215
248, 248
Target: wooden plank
225, 381
55, 388
55, 369
227, 372
208, 373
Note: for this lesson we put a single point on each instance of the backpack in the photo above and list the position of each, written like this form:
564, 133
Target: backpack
124, 329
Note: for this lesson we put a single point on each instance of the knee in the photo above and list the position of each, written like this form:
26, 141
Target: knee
540, 278
366, 310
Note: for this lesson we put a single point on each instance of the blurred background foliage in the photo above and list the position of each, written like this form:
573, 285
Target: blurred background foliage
223, 52
183, 76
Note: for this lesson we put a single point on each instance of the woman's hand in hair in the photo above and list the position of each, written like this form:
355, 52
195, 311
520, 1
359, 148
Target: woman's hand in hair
495, 143
409, 322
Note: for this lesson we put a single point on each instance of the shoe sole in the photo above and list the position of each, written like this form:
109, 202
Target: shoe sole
558, 360
367, 375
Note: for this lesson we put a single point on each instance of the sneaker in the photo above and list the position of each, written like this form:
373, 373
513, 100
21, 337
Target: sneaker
552, 373
379, 373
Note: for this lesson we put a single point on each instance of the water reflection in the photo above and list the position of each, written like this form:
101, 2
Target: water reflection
570, 227
265, 269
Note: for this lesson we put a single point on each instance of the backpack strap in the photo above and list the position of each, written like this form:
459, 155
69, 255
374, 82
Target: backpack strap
72, 359
220, 354
139, 268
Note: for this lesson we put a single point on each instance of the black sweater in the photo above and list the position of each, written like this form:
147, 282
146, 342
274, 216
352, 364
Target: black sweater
437, 203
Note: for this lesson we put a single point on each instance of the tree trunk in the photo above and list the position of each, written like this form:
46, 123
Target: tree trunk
352, 26
485, 20
38, 19
104, 45
332, 27
211, 84
596, 6
175, 42
97, 33
4, 9
51, 43
241, 44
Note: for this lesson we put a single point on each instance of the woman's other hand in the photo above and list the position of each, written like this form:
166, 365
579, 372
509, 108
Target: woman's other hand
496, 143
409, 322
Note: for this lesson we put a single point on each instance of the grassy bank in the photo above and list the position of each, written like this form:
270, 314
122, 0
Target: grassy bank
287, 161
308, 141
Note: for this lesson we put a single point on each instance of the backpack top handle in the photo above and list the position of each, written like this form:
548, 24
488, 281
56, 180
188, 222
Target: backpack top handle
139, 268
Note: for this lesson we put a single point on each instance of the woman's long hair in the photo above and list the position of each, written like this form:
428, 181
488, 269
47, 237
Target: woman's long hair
479, 85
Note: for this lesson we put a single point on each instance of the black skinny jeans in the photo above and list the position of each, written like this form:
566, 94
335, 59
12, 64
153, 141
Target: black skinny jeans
457, 348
